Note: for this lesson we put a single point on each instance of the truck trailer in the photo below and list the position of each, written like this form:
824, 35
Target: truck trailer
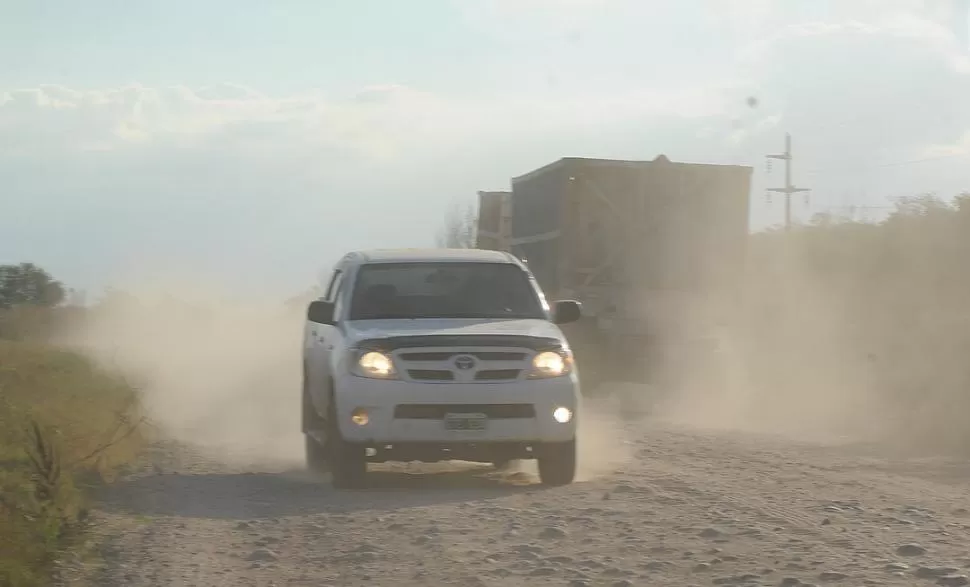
654, 250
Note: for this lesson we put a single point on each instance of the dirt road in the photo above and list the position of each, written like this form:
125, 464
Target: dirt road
687, 509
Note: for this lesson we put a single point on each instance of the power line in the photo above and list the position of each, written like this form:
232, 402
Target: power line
885, 165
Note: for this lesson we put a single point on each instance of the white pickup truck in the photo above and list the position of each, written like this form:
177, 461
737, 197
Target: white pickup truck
440, 354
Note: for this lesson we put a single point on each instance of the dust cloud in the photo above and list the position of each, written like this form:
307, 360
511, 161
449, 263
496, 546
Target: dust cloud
223, 374
785, 365
604, 441
837, 332
215, 371
842, 332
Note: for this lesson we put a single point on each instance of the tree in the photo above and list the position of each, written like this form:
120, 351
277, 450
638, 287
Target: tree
28, 284
459, 230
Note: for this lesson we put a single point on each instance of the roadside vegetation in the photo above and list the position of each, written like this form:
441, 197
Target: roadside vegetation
866, 324
64, 423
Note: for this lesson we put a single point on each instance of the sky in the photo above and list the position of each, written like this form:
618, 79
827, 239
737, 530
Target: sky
256, 142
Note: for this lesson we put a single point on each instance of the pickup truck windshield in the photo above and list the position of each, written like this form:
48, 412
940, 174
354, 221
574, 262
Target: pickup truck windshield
443, 290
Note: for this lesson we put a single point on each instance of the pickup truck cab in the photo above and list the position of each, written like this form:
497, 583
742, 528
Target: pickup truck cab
440, 354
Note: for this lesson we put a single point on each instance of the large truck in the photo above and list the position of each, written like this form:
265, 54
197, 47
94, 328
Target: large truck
654, 250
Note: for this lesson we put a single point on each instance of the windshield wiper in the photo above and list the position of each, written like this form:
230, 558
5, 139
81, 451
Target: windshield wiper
441, 316
470, 316
383, 317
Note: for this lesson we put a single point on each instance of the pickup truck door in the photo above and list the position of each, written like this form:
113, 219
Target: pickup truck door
323, 339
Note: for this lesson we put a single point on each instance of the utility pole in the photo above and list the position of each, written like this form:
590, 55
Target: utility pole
789, 189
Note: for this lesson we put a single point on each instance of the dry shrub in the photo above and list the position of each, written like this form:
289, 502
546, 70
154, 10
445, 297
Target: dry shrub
60, 417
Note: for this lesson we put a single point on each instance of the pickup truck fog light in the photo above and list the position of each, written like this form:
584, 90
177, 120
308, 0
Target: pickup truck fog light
360, 417
562, 415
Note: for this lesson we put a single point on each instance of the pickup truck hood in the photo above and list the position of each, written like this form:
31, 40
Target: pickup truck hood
370, 329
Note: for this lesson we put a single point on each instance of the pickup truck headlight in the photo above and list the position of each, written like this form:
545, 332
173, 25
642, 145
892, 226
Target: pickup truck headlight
551, 364
374, 364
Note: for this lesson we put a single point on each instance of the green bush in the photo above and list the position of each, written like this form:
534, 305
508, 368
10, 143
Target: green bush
61, 417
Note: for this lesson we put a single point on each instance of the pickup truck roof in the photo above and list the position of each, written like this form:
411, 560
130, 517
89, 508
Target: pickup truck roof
431, 256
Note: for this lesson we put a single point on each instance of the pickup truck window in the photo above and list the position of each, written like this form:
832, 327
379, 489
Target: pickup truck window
444, 290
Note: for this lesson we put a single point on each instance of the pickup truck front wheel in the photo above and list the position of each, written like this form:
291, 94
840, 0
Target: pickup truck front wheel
501, 464
316, 457
557, 463
348, 461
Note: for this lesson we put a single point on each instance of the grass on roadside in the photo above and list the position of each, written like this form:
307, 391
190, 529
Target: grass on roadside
61, 418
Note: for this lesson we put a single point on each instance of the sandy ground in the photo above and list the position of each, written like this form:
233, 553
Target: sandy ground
683, 508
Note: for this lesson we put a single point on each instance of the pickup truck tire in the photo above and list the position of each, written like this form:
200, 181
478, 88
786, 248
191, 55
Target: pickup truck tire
316, 456
309, 418
348, 461
501, 464
557, 463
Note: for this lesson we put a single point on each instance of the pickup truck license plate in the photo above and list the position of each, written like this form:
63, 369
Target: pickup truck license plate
474, 422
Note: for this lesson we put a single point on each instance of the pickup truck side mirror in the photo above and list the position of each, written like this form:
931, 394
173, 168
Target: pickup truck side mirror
320, 312
566, 311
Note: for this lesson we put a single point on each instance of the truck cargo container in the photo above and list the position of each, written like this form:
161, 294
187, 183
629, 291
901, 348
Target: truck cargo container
653, 249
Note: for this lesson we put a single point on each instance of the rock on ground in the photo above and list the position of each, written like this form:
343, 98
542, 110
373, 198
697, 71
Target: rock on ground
686, 509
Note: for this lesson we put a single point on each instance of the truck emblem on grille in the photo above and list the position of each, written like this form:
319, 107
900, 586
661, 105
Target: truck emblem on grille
464, 362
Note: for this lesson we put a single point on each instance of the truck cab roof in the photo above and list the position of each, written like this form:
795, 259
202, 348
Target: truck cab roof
431, 255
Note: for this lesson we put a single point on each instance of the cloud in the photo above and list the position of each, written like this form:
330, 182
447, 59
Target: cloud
744, 19
232, 181
518, 16
757, 18
376, 123
227, 176
891, 87
904, 78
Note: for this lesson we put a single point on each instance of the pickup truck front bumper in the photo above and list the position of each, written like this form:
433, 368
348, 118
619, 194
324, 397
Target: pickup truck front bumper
516, 414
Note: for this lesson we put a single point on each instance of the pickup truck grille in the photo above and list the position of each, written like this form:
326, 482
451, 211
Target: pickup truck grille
431, 375
463, 365
497, 374
438, 411
445, 355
